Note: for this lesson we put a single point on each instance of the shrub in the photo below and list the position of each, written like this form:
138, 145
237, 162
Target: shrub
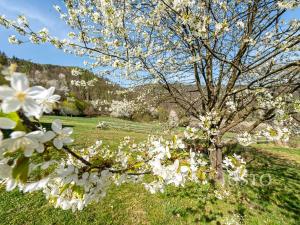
3, 59
142, 117
90, 111
163, 114
81, 105
184, 121
69, 108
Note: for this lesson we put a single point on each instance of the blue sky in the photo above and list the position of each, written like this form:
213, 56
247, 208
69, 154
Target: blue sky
40, 13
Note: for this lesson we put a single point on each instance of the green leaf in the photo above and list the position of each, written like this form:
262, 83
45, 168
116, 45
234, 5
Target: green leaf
65, 187
21, 169
138, 165
78, 191
14, 117
201, 175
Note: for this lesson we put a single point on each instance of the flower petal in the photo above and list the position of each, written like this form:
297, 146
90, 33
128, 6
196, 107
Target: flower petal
17, 134
67, 140
19, 82
35, 186
28, 152
10, 185
49, 135
67, 130
40, 148
56, 126
37, 92
6, 92
54, 98
32, 108
35, 134
6, 123
11, 105
58, 143
51, 90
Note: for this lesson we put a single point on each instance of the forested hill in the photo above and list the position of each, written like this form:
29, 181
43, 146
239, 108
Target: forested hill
87, 94
61, 78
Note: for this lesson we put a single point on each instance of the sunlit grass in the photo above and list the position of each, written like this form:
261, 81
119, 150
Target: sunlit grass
129, 204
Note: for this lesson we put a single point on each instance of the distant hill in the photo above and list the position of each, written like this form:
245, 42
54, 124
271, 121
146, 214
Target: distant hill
60, 77
77, 100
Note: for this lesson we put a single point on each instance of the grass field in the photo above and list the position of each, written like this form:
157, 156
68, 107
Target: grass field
274, 204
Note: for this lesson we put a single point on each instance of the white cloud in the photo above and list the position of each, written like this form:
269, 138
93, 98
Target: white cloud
39, 15
9, 7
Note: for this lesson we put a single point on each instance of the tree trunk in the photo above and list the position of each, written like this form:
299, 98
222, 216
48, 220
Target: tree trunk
216, 163
219, 166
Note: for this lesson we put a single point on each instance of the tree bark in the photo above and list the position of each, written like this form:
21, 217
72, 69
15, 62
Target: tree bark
219, 167
216, 163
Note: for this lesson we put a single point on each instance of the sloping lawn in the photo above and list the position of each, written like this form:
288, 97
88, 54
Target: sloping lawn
275, 204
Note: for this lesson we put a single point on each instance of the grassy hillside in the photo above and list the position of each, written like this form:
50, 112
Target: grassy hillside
274, 204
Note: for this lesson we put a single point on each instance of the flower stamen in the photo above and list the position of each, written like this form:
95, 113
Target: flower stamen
21, 96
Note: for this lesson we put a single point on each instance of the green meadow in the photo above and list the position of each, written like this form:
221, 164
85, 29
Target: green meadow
271, 197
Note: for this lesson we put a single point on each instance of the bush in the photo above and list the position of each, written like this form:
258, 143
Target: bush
3, 59
142, 117
2, 80
184, 121
69, 108
90, 111
163, 114
81, 105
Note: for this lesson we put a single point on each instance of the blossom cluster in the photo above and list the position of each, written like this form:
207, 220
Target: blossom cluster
75, 72
100, 104
245, 139
235, 166
123, 108
102, 125
83, 83
33, 101
72, 189
276, 133
209, 123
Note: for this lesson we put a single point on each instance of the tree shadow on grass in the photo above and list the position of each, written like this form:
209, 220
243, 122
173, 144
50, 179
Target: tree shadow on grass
277, 182
274, 191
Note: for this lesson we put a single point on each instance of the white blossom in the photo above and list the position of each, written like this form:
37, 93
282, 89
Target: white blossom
20, 96
13, 40
62, 134
47, 99
245, 139
19, 140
